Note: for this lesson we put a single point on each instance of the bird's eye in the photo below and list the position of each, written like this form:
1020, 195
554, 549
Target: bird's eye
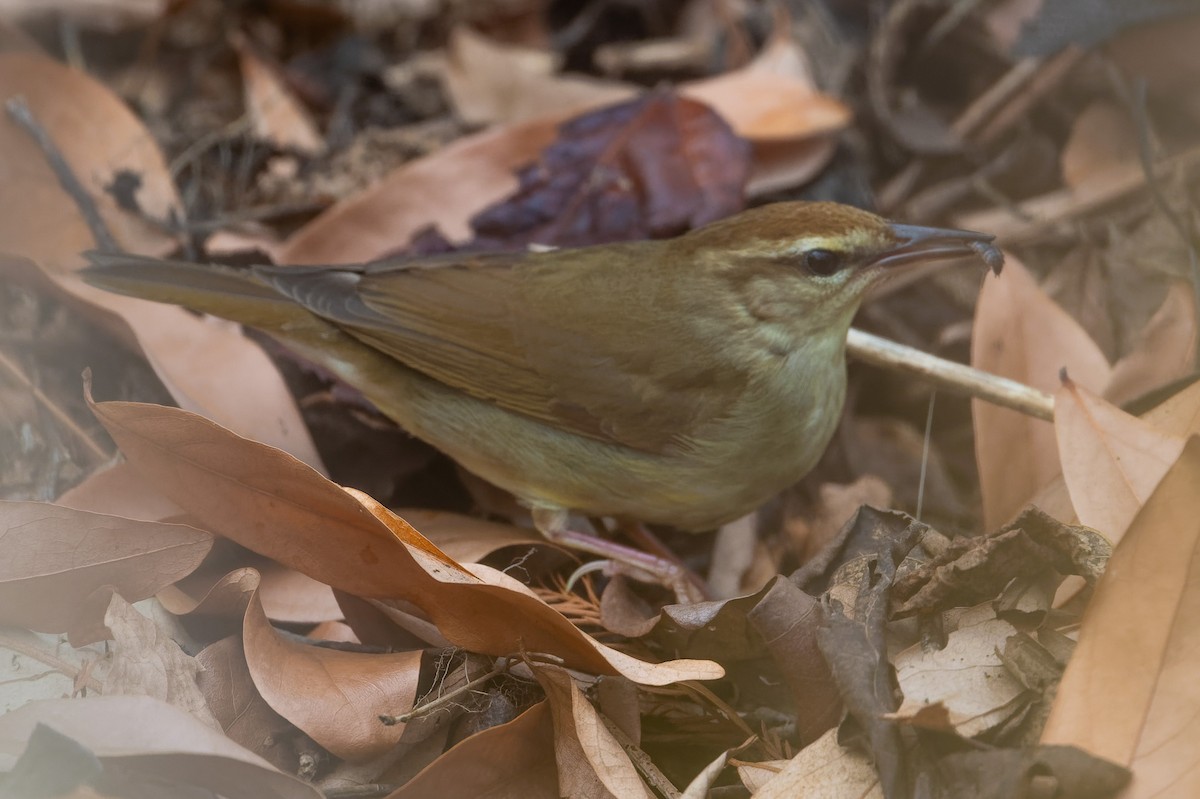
822, 262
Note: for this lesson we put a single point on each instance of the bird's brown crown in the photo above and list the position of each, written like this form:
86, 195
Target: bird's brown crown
771, 228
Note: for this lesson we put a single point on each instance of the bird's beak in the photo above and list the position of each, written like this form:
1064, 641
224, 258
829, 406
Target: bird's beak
915, 243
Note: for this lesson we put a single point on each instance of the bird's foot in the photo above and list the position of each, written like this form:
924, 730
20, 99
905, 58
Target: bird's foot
666, 571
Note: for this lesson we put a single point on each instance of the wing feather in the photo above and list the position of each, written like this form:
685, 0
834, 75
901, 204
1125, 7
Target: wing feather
497, 327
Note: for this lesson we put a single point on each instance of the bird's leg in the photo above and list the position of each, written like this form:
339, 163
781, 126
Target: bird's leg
631, 562
644, 538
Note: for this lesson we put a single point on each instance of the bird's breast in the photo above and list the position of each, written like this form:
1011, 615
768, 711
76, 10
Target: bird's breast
780, 425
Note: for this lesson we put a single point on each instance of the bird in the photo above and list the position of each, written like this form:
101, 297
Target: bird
679, 382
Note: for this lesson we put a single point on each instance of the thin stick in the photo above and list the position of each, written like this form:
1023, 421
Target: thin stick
951, 376
19, 112
60, 415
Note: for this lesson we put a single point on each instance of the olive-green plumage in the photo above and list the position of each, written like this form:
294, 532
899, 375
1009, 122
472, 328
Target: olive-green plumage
681, 382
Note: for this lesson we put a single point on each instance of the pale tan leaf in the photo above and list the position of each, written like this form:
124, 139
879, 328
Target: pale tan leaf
154, 740
1111, 460
966, 677
591, 762
490, 82
275, 114
146, 662
56, 557
289, 596
118, 490
1020, 333
822, 770
1179, 415
1129, 693
1102, 138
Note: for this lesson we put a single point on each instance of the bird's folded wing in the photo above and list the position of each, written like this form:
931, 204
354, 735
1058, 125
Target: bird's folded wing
473, 323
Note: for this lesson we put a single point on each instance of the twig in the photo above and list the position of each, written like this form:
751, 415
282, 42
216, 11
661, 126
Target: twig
18, 111
360, 791
1001, 106
61, 416
1141, 115
951, 376
449, 697
641, 761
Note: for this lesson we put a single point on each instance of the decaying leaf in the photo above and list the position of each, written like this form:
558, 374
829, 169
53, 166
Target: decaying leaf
966, 677
822, 770
647, 168
972, 570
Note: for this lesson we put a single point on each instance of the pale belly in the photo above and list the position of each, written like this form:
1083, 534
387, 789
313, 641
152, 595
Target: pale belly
774, 437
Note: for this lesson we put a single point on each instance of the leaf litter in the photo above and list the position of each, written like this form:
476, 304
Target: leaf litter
396, 639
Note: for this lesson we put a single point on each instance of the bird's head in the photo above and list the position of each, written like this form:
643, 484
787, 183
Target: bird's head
805, 266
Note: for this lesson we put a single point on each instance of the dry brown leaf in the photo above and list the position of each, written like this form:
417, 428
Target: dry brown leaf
243, 714
56, 557
509, 761
336, 697
1129, 693
770, 108
226, 597
773, 101
289, 596
1111, 460
1022, 334
591, 762
822, 770
1102, 138
274, 505
276, 116
337, 631
490, 82
466, 538
209, 367
118, 490
1165, 349
445, 188
156, 741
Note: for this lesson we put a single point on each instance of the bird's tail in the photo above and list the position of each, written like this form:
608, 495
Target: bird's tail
228, 292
